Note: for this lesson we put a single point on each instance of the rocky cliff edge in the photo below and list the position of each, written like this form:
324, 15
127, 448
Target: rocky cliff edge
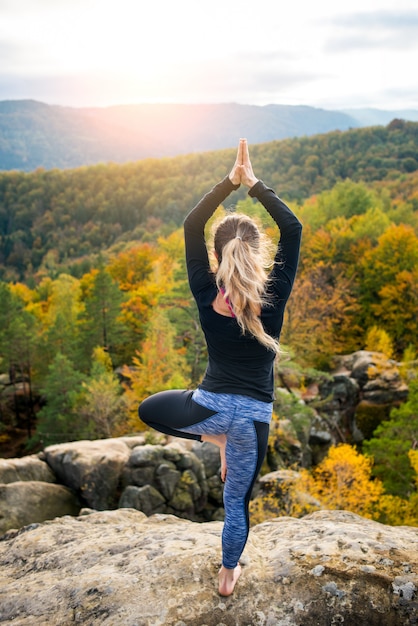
121, 568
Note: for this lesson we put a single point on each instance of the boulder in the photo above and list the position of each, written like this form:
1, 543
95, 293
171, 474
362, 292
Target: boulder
24, 469
92, 469
145, 499
361, 391
29, 502
208, 454
125, 472
378, 377
163, 479
339, 398
120, 567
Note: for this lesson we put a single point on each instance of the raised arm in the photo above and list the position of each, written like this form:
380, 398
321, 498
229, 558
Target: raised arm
197, 259
287, 255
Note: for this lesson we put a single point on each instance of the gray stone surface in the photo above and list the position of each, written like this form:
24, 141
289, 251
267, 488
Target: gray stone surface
116, 568
27, 468
29, 502
92, 469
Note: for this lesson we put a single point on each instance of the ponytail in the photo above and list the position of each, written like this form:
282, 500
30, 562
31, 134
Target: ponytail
244, 256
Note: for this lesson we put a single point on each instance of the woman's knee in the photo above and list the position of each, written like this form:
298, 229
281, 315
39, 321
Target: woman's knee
162, 406
146, 410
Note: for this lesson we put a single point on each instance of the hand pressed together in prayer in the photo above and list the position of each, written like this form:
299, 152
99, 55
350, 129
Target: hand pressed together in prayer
242, 171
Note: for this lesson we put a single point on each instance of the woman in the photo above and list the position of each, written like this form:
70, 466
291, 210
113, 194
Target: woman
241, 311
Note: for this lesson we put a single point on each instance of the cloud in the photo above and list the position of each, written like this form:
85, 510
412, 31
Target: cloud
251, 82
384, 29
14, 55
390, 20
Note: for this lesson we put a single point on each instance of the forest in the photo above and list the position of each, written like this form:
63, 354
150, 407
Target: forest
96, 311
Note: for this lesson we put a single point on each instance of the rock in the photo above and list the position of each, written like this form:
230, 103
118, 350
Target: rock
215, 489
132, 442
362, 390
108, 473
24, 469
92, 469
319, 433
278, 486
286, 448
340, 396
145, 499
145, 456
167, 478
285, 476
119, 567
378, 377
29, 502
208, 453
172, 471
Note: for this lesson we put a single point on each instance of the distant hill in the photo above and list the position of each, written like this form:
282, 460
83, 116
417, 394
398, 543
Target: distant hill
34, 134
57, 218
379, 117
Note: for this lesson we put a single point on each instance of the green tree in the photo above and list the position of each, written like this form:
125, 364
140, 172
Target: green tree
58, 310
100, 323
59, 420
345, 199
391, 443
100, 403
17, 345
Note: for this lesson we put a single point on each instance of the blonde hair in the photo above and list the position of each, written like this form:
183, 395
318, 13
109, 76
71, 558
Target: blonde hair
244, 256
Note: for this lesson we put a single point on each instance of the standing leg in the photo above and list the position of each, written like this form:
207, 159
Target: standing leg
245, 451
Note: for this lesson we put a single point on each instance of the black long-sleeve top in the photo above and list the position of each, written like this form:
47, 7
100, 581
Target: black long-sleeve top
238, 363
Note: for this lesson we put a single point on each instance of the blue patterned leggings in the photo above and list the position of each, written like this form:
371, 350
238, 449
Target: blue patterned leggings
245, 421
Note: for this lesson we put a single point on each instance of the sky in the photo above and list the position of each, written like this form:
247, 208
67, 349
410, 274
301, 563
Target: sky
332, 55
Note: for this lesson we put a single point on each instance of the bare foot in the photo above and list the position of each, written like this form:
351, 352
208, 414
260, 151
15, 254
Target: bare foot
228, 579
220, 441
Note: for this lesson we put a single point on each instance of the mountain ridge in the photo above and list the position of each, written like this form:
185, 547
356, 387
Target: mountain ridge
38, 135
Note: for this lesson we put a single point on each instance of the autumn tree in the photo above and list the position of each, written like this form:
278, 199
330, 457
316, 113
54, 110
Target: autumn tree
388, 294
319, 316
157, 366
57, 307
377, 340
342, 481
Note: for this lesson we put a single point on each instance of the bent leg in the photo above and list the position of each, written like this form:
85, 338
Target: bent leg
172, 410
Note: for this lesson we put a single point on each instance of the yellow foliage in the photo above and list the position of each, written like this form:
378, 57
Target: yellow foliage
158, 366
343, 481
378, 340
397, 511
282, 498
22, 291
102, 357
408, 368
